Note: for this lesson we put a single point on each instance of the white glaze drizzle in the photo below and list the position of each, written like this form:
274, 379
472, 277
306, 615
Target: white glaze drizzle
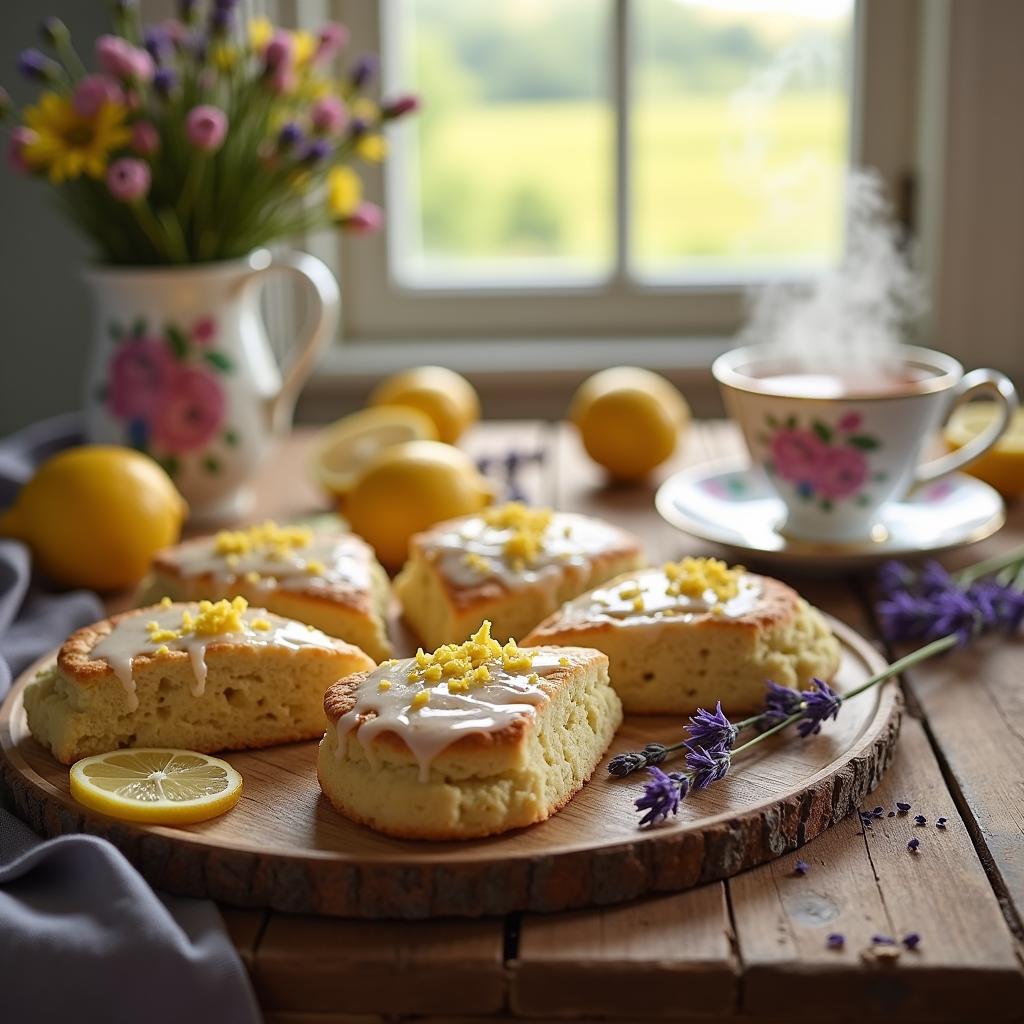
447, 717
607, 603
344, 557
130, 638
570, 540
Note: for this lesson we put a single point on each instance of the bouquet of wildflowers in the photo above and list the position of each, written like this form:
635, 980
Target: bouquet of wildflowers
933, 608
200, 139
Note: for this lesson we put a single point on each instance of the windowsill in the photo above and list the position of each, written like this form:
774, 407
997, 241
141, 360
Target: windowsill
532, 377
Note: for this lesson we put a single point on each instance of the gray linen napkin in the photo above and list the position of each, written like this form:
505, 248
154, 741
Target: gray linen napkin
82, 936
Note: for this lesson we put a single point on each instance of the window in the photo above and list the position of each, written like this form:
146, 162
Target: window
608, 169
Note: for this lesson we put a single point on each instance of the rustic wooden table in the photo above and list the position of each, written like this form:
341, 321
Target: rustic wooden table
748, 949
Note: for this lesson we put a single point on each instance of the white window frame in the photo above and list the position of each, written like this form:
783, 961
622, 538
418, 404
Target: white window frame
500, 335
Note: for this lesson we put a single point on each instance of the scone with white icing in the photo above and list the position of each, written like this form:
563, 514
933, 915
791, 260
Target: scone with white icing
694, 632
470, 740
207, 676
511, 564
325, 577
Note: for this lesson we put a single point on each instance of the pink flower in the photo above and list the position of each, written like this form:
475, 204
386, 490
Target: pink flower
841, 473
191, 411
138, 372
329, 115
283, 81
797, 455
122, 60
331, 40
280, 52
851, 421
19, 139
145, 138
367, 219
93, 91
206, 127
400, 107
128, 179
204, 330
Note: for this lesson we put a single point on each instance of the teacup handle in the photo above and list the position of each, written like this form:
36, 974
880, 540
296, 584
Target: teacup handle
971, 383
323, 321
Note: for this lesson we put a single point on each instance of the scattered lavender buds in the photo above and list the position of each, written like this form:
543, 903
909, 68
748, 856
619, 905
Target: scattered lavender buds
940, 822
801, 867
911, 940
882, 940
920, 819
836, 940
914, 845
902, 807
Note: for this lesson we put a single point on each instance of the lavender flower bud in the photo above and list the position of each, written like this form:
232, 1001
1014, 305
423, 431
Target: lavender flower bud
37, 66
289, 136
655, 752
661, 796
707, 765
779, 703
164, 81
821, 703
317, 151
364, 71
622, 764
711, 729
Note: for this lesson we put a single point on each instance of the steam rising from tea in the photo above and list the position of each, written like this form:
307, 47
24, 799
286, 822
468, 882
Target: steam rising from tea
853, 317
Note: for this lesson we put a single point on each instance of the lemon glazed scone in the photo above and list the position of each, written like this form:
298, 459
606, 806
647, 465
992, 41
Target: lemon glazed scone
326, 577
473, 739
694, 632
207, 676
511, 564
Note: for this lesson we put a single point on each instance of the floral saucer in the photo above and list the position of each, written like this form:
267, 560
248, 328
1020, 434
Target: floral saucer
728, 502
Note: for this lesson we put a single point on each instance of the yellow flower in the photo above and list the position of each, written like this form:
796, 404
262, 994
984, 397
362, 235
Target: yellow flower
261, 31
365, 109
69, 145
304, 45
224, 56
344, 191
372, 148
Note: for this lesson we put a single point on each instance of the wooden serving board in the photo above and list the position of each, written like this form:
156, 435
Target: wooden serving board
284, 847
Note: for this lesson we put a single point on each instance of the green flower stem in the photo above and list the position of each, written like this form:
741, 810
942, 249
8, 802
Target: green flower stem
795, 717
193, 178
921, 654
149, 224
990, 566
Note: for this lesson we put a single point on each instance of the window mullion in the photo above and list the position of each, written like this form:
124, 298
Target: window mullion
620, 84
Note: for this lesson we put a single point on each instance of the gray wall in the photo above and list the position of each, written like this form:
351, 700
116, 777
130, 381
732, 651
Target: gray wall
44, 309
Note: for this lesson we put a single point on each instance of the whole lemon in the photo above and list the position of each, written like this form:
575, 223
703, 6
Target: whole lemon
408, 487
1001, 466
630, 420
94, 516
447, 398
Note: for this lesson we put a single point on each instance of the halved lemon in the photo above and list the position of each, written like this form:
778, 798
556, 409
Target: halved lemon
156, 786
1001, 466
348, 445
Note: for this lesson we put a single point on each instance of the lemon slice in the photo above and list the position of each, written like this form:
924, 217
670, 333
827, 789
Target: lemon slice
348, 445
1001, 466
156, 786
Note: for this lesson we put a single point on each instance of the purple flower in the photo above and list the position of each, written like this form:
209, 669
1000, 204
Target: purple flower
954, 612
34, 64
934, 579
279, 55
801, 867
914, 845
836, 940
904, 617
661, 796
999, 606
920, 819
779, 703
128, 179
400, 107
358, 126
882, 940
165, 80
622, 764
902, 807
822, 703
707, 765
93, 91
940, 822
290, 135
206, 127
317, 151
911, 940
157, 41
364, 70
711, 729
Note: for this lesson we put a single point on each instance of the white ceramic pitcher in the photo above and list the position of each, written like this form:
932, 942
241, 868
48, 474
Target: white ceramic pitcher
182, 369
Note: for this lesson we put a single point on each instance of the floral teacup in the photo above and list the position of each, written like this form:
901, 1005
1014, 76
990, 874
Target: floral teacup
835, 447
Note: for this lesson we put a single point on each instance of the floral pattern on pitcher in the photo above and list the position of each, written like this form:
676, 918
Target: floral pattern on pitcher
165, 388
825, 464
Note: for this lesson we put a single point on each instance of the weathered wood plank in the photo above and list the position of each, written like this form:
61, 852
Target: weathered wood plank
244, 928
665, 957
863, 885
315, 964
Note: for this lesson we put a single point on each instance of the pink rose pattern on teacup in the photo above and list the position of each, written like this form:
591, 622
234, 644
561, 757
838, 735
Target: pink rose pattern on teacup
165, 387
826, 464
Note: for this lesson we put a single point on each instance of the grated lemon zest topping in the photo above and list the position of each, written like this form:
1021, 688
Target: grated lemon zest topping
528, 527
165, 602
697, 577
212, 619
277, 542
